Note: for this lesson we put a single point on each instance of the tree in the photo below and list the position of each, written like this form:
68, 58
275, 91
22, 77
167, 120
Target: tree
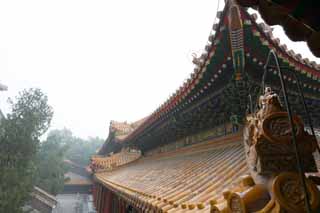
61, 145
50, 164
30, 117
77, 149
80, 150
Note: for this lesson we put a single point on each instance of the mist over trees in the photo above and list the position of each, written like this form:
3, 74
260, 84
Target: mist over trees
50, 165
25, 161
60, 146
80, 150
20, 133
77, 150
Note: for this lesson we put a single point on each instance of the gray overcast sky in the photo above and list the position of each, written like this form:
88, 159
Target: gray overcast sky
103, 60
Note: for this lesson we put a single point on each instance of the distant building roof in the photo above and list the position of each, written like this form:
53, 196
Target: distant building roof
41, 201
118, 132
122, 129
49, 199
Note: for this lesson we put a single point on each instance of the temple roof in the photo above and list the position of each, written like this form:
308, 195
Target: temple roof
229, 70
190, 157
123, 129
118, 132
299, 19
194, 177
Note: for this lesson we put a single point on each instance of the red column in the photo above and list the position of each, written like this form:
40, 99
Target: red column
94, 194
102, 199
123, 206
119, 205
107, 202
99, 196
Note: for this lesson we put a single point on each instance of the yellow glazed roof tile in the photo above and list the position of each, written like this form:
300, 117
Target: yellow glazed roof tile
182, 180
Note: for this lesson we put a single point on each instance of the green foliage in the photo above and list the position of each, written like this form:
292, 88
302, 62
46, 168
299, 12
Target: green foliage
50, 164
31, 109
78, 150
59, 146
30, 117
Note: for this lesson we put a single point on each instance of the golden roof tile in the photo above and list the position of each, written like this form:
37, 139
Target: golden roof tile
194, 179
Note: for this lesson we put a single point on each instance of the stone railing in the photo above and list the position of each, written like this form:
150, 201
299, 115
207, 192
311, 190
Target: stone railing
101, 163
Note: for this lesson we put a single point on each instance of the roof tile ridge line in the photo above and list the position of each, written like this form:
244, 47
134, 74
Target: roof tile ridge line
107, 183
209, 147
118, 187
224, 13
282, 47
229, 140
124, 165
277, 47
209, 144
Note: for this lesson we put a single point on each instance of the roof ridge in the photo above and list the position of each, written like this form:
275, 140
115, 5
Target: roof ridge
185, 88
210, 144
267, 32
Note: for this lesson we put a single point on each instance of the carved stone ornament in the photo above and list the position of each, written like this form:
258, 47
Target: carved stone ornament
288, 193
236, 204
271, 157
267, 139
276, 128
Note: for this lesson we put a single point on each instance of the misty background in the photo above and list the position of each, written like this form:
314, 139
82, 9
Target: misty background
104, 60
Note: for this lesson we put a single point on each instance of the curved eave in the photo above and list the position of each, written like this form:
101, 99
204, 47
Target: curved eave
211, 59
263, 31
192, 89
110, 145
258, 39
213, 65
301, 19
